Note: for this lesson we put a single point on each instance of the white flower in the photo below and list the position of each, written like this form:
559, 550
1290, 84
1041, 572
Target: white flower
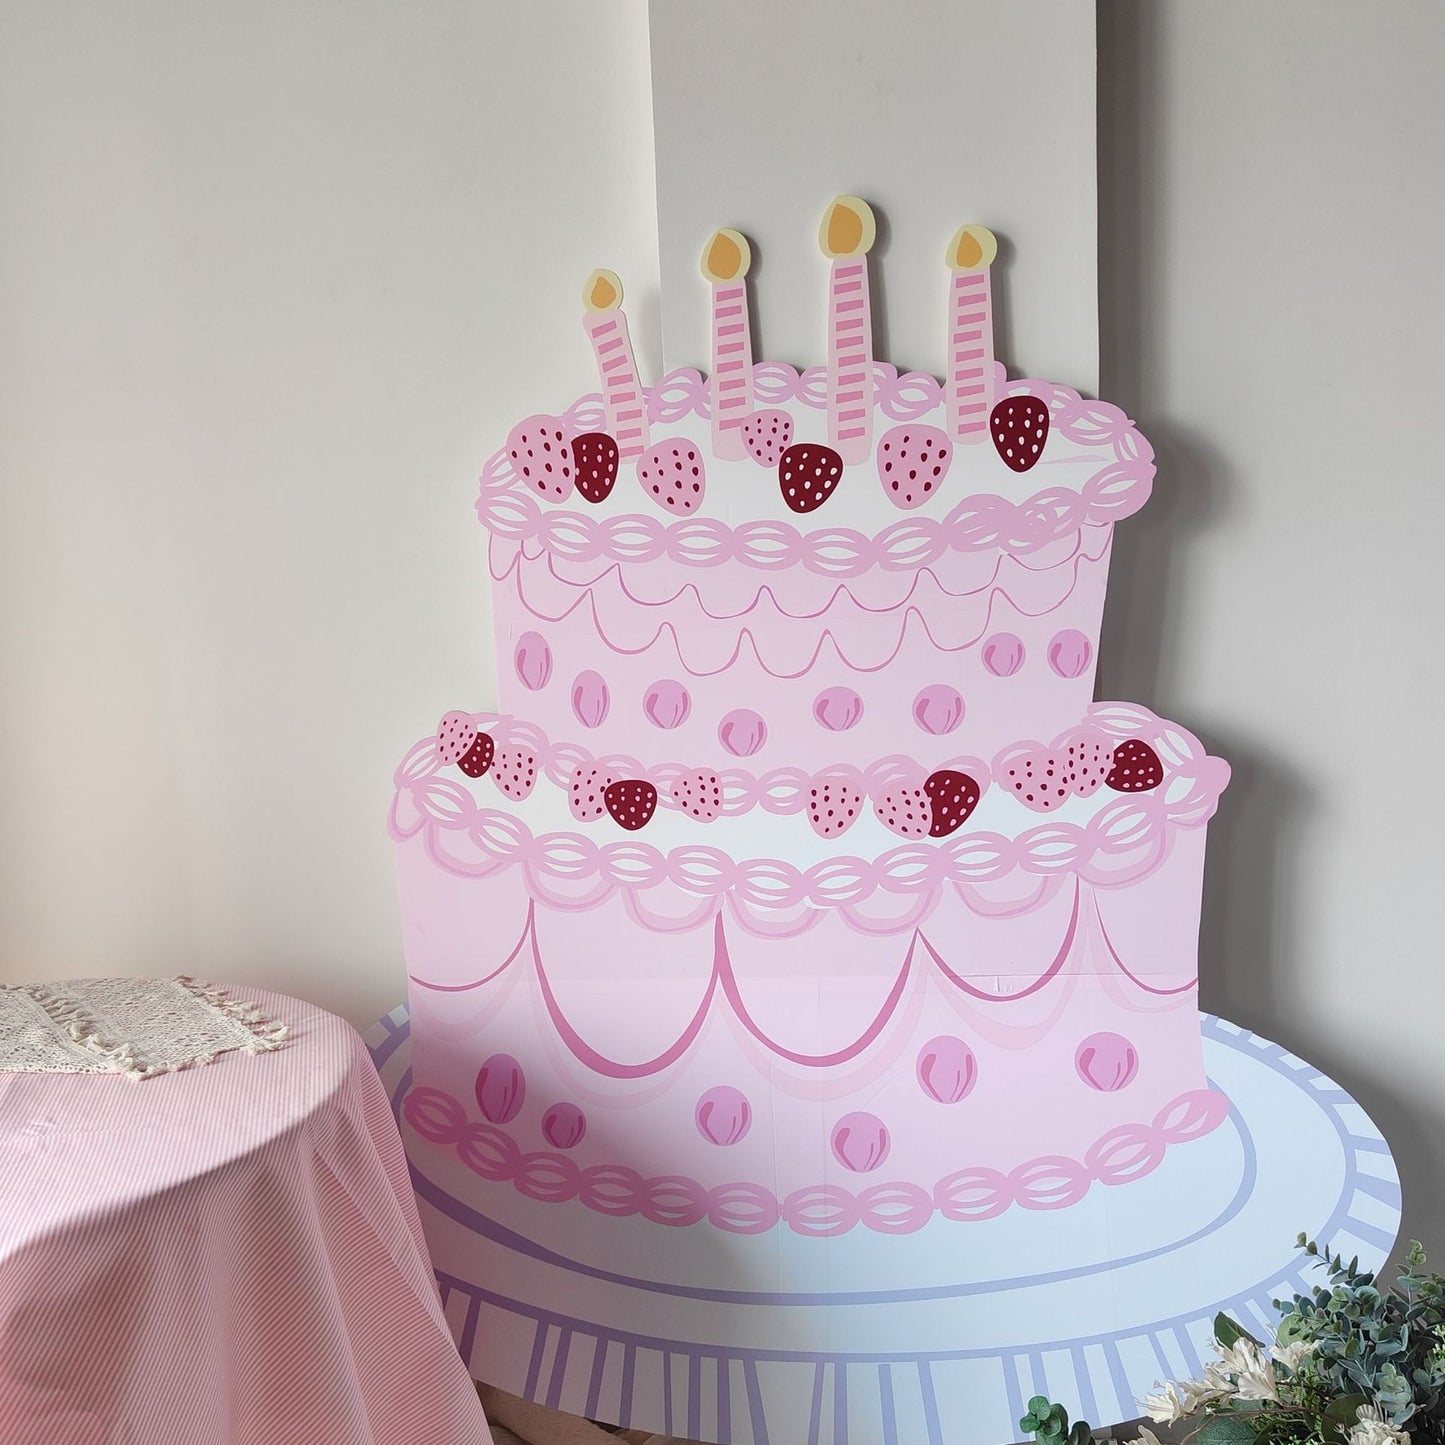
1292, 1354
1374, 1429
1243, 1371
1167, 1405
1147, 1437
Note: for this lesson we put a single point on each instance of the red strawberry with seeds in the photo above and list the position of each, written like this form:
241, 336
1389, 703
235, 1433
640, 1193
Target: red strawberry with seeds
1019, 426
767, 435
1136, 768
456, 732
586, 793
833, 806
807, 474
514, 770
905, 811
1038, 777
541, 456
953, 797
912, 463
594, 455
477, 758
699, 795
631, 802
672, 474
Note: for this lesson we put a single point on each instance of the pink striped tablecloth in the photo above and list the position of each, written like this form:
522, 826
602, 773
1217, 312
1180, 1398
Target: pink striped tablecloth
225, 1256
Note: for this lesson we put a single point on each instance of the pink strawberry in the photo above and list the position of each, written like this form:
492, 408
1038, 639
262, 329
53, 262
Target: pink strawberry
594, 454
456, 732
807, 474
514, 770
586, 794
1087, 758
672, 474
541, 456
1019, 426
1136, 768
912, 462
477, 758
953, 797
905, 811
767, 435
632, 803
833, 806
1038, 777
699, 795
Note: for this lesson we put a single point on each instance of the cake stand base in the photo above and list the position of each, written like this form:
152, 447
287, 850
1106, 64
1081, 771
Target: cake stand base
938, 1336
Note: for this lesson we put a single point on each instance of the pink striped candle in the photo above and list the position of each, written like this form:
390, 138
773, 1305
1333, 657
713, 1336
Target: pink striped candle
846, 236
725, 262
622, 397
970, 387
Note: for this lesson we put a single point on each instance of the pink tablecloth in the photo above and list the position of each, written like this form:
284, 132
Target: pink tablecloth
225, 1256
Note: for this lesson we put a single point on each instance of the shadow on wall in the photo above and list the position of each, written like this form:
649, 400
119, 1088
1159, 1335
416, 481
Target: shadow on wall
1251, 967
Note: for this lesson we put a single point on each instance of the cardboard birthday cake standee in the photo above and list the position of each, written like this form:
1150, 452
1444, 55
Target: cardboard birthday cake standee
798, 933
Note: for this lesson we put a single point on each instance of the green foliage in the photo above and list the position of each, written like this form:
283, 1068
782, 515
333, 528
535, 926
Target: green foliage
1366, 1345
1048, 1423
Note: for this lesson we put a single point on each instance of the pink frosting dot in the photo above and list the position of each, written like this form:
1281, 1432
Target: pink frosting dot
947, 1069
724, 1115
590, 698
501, 1087
564, 1125
1107, 1062
938, 709
742, 732
1003, 654
667, 703
860, 1142
533, 661
838, 708
1070, 652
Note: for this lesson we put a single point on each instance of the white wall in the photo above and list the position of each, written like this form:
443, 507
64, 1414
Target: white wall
1273, 313
270, 278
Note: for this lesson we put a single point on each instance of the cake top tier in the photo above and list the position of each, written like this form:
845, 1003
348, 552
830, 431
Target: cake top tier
836, 470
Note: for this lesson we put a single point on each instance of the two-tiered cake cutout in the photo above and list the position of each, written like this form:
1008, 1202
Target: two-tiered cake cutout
797, 909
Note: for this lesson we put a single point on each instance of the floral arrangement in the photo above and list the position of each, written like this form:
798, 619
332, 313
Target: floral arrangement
1351, 1364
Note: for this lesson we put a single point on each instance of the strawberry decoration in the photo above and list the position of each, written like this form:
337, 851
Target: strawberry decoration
1136, 768
767, 435
477, 758
1019, 426
672, 474
833, 806
905, 811
699, 795
952, 797
586, 793
514, 770
541, 456
594, 454
1089, 758
1038, 776
631, 802
912, 463
456, 732
808, 474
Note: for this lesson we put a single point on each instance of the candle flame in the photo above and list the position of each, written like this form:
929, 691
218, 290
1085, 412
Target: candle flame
602, 291
848, 228
726, 257
972, 247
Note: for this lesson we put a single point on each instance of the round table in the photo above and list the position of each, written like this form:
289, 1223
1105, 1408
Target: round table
229, 1254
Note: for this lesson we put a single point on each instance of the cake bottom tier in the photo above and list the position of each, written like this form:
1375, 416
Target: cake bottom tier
1000, 1051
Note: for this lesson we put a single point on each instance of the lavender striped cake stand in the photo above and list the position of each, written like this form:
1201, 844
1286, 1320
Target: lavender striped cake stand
939, 1336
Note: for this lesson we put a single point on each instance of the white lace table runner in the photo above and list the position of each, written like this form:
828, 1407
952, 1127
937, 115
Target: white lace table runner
133, 1026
